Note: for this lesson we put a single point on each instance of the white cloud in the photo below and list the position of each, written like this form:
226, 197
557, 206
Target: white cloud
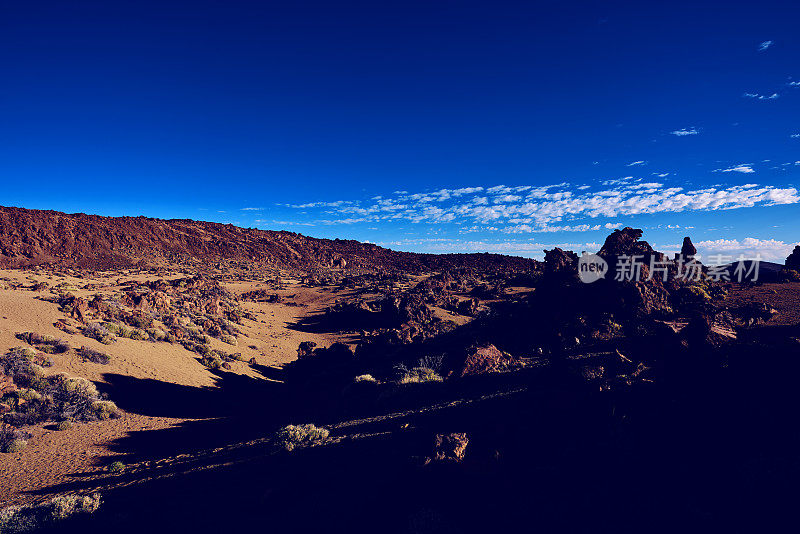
749, 247
685, 131
554, 208
757, 96
795, 136
252, 209
745, 169
764, 45
636, 163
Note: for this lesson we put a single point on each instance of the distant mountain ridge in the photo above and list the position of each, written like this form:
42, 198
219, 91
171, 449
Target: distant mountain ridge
37, 237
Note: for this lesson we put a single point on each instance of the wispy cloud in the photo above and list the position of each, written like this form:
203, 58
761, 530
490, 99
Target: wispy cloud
685, 131
251, 209
795, 136
556, 208
764, 45
636, 163
757, 96
743, 168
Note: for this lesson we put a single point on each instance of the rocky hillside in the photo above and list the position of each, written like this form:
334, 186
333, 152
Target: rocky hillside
36, 237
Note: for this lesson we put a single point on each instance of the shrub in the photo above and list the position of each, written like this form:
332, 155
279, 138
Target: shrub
47, 344
230, 340
52, 398
156, 334
13, 440
14, 519
114, 328
104, 409
139, 335
292, 436
211, 361
94, 356
365, 378
98, 332
116, 467
124, 331
419, 375
137, 321
64, 425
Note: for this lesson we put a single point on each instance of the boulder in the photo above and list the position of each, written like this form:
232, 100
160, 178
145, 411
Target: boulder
486, 359
79, 309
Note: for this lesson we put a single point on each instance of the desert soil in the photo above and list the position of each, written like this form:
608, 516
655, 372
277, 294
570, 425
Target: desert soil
57, 457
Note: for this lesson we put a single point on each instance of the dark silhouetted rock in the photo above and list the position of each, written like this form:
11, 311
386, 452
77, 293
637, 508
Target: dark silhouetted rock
560, 262
688, 249
305, 349
793, 260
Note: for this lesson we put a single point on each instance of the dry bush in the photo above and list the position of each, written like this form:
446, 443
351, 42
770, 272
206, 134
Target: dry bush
94, 356
99, 332
44, 343
17, 519
12, 440
50, 398
293, 436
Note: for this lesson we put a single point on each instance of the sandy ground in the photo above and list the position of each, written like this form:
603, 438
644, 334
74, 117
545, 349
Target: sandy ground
54, 457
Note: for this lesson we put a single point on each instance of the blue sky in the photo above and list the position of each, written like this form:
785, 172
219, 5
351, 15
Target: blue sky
423, 126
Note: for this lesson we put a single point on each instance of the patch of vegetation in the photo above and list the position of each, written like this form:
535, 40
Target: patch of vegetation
47, 344
64, 425
116, 467
99, 332
293, 436
230, 340
139, 335
12, 440
212, 361
41, 398
426, 370
417, 375
94, 356
365, 378
16, 519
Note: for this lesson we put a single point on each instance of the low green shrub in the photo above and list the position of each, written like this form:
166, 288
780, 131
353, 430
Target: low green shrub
116, 467
64, 425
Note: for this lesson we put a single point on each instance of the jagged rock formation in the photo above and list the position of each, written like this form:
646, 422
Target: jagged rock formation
35, 237
793, 260
688, 249
626, 242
